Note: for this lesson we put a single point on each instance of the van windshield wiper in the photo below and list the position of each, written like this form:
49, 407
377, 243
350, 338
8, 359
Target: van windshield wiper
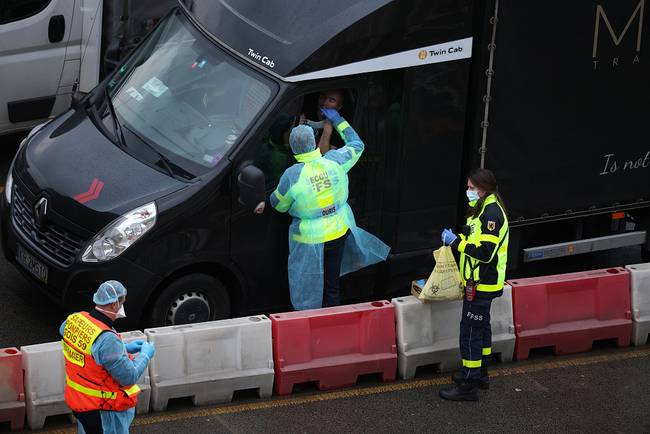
116, 123
166, 162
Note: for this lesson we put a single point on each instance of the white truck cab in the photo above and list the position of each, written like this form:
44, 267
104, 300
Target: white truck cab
46, 46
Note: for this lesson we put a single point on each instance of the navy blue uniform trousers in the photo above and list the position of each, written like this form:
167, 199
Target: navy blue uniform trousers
475, 336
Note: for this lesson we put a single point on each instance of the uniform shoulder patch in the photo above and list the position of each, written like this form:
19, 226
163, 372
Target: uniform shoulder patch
491, 225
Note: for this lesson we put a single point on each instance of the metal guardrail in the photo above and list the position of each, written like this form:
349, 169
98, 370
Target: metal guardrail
571, 248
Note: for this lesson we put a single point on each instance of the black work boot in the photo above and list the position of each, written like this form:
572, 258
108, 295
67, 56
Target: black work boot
483, 383
465, 391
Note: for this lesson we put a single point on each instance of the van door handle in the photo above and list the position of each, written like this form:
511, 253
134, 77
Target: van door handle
56, 29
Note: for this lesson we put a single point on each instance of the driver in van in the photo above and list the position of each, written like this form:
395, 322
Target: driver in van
324, 240
275, 154
332, 99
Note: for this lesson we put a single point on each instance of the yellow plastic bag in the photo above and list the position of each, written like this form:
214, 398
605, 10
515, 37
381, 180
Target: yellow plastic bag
444, 282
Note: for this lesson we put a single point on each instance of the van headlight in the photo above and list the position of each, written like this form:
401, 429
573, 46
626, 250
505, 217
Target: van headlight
9, 184
121, 234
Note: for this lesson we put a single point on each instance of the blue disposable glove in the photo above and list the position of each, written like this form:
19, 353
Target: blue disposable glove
332, 115
134, 347
448, 237
148, 348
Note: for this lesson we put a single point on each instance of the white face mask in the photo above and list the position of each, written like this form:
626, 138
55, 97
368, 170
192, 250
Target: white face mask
472, 195
120, 313
316, 125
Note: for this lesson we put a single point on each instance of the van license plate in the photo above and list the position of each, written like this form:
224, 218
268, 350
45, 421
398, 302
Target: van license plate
33, 265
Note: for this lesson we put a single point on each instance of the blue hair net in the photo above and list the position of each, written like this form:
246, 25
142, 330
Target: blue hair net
109, 292
302, 139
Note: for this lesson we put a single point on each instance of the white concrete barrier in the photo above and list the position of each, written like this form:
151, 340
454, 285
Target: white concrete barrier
427, 333
209, 361
640, 286
44, 371
503, 326
145, 396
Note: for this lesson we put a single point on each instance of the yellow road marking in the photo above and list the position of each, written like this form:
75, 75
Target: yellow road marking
365, 391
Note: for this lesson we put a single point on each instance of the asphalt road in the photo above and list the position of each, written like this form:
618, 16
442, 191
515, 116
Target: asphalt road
603, 391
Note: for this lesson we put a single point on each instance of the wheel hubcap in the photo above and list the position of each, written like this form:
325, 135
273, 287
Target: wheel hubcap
190, 307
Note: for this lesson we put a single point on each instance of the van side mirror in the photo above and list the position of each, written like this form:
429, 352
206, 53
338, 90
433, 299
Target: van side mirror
252, 192
76, 99
77, 95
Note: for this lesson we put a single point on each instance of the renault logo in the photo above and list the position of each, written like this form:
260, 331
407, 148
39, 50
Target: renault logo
40, 213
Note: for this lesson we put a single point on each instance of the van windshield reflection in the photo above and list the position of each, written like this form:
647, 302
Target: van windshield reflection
186, 97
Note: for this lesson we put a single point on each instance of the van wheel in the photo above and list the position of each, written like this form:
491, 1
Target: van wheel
191, 299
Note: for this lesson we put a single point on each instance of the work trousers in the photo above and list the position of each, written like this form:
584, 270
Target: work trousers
91, 421
332, 257
475, 337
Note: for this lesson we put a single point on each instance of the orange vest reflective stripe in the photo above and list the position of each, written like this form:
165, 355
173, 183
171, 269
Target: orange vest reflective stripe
88, 385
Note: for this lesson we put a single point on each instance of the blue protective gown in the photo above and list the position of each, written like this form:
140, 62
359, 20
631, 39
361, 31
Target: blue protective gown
305, 267
109, 351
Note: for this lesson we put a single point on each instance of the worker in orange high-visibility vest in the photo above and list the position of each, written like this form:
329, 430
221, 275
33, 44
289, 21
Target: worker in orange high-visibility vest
100, 369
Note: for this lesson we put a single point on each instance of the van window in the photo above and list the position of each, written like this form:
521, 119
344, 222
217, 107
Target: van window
341, 99
274, 155
14, 10
186, 97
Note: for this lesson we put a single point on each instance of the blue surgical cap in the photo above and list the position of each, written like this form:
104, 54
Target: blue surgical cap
109, 292
302, 139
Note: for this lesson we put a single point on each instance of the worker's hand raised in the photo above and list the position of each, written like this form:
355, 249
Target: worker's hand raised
148, 348
332, 115
134, 347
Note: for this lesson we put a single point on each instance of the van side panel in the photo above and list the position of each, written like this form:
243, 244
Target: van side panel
432, 141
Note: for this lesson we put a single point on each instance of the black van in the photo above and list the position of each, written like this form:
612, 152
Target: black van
152, 178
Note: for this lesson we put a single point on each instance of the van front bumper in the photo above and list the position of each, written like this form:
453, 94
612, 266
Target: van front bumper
74, 286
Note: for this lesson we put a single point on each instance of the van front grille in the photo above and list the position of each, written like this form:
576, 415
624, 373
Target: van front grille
54, 242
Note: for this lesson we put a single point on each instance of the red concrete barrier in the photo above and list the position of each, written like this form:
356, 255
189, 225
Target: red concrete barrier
334, 345
570, 311
12, 392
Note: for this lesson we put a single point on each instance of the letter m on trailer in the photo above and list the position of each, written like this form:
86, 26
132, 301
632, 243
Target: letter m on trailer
600, 14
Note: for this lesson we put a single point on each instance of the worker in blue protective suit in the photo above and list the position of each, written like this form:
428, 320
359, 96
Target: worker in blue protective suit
324, 240
101, 371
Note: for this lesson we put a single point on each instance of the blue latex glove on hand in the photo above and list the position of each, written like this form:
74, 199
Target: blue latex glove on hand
148, 348
332, 115
134, 347
448, 237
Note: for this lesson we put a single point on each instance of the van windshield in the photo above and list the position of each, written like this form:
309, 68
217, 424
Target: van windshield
185, 97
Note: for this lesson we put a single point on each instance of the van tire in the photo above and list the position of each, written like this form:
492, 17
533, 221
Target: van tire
189, 299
